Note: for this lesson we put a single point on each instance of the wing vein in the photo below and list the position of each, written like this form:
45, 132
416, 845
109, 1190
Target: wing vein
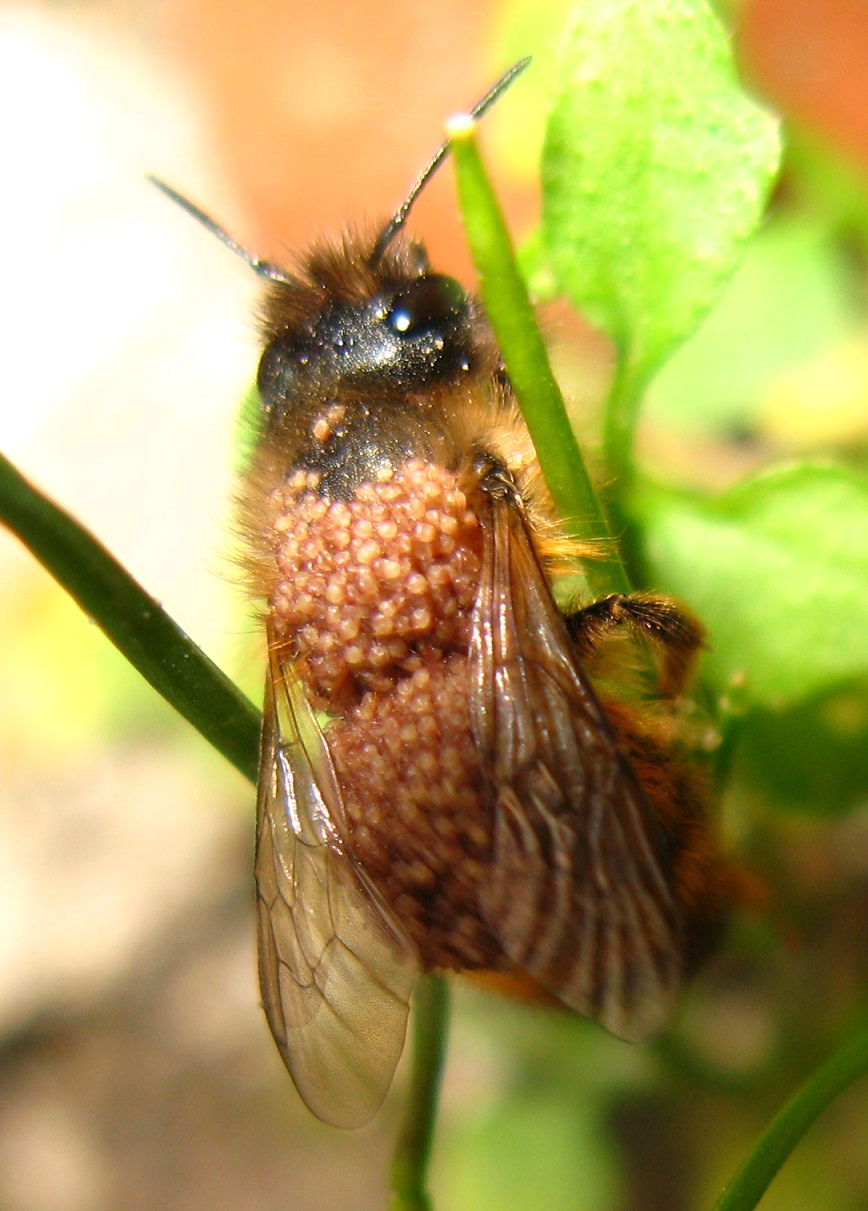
579, 894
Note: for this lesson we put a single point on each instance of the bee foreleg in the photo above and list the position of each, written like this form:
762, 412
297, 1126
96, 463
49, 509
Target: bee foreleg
674, 635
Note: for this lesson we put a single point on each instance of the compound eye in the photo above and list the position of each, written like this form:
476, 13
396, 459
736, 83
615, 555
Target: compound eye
275, 378
430, 302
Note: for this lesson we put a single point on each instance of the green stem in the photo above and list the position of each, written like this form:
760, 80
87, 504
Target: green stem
619, 440
622, 409
136, 624
790, 1124
524, 355
413, 1147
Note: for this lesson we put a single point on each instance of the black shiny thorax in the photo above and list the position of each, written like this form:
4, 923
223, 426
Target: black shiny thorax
348, 444
359, 356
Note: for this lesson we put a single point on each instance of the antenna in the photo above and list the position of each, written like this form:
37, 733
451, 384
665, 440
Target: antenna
399, 218
268, 269
265, 269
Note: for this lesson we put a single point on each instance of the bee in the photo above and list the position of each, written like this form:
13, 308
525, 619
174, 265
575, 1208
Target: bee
441, 786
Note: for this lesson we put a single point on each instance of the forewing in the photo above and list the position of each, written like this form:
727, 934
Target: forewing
335, 969
578, 892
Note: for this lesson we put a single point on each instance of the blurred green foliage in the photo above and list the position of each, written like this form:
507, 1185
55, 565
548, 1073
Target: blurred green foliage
749, 469
750, 497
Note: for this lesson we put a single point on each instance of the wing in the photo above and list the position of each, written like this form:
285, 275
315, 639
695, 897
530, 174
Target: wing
578, 892
335, 969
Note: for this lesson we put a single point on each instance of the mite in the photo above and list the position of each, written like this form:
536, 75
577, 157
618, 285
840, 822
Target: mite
441, 787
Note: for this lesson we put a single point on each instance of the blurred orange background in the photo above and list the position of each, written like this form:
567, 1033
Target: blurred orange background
135, 1067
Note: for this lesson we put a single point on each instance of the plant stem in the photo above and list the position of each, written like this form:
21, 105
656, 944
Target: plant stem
524, 355
792, 1121
622, 407
619, 439
413, 1146
136, 624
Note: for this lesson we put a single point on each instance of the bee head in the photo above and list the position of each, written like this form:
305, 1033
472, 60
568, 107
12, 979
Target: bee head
392, 327
366, 316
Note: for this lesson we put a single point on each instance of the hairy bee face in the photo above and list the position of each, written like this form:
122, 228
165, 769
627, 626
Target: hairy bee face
409, 336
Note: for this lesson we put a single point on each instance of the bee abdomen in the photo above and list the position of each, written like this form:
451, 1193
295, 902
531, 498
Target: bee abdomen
370, 589
418, 818
374, 594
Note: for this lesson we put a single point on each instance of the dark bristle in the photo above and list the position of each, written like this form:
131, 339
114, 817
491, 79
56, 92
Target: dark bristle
265, 269
399, 218
335, 272
350, 270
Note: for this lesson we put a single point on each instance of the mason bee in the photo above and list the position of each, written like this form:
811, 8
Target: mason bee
441, 787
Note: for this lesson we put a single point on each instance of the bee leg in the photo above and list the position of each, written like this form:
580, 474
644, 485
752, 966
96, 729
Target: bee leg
673, 634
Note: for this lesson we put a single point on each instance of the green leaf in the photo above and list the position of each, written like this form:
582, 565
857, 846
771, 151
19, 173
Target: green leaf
778, 570
812, 759
656, 170
789, 302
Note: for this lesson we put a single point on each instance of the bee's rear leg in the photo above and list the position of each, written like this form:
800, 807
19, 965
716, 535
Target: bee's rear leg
673, 634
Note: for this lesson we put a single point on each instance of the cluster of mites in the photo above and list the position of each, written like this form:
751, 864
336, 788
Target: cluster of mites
371, 588
375, 595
